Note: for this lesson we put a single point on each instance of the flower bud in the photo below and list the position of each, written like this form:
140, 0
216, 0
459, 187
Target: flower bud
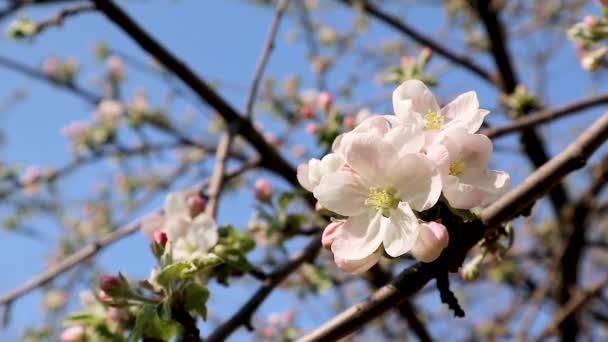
74, 333
590, 21
262, 190
432, 239
312, 128
160, 238
287, 316
306, 112
109, 284
196, 204
324, 100
349, 122
104, 297
329, 234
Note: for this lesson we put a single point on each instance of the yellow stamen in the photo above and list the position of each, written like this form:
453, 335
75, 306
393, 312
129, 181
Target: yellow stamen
456, 168
381, 199
433, 120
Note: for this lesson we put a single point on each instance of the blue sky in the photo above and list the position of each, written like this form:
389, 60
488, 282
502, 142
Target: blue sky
220, 40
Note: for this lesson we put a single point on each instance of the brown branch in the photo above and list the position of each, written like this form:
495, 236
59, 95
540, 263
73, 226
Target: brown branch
578, 300
58, 18
507, 207
217, 178
423, 40
546, 115
270, 157
94, 248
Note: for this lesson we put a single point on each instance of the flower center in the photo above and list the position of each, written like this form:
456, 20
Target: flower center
382, 199
456, 168
433, 120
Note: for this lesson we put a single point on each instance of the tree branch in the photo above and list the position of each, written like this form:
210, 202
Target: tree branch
270, 157
507, 207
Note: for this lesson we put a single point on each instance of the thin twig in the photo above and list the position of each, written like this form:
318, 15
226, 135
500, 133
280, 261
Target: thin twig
507, 207
94, 248
58, 18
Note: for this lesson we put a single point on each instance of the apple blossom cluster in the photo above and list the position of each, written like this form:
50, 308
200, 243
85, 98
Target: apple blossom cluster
381, 175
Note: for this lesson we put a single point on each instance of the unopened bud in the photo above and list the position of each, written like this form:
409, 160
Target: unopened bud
432, 239
262, 189
324, 100
196, 204
306, 112
160, 238
109, 284
312, 128
590, 21
470, 271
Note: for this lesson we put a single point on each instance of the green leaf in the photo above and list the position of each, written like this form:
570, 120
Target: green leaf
83, 317
178, 270
196, 299
148, 324
285, 199
205, 260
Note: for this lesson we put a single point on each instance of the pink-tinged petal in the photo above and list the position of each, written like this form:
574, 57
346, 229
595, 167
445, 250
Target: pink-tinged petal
152, 223
440, 156
400, 230
361, 265
206, 231
330, 163
329, 234
176, 202
494, 184
413, 96
461, 195
463, 110
416, 179
406, 139
476, 150
303, 177
359, 237
367, 154
342, 192
432, 239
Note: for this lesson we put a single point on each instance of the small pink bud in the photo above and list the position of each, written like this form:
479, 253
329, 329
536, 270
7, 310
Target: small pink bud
268, 332
312, 128
262, 189
288, 316
348, 122
432, 239
272, 139
406, 60
329, 234
74, 333
426, 52
109, 283
160, 237
274, 318
197, 205
324, 100
590, 21
306, 112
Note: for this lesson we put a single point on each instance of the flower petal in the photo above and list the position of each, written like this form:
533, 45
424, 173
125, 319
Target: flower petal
494, 184
413, 96
342, 192
406, 139
205, 230
416, 180
361, 265
368, 155
462, 195
176, 202
476, 150
463, 109
400, 230
359, 237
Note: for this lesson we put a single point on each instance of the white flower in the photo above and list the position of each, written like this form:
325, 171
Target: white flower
311, 173
432, 239
108, 111
187, 228
462, 159
360, 265
414, 103
377, 190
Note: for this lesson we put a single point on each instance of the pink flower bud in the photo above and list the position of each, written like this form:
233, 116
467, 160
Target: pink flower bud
262, 189
272, 139
306, 112
349, 122
329, 234
288, 316
197, 205
405, 60
324, 100
268, 332
432, 239
312, 128
590, 21
160, 237
74, 333
109, 283
426, 52
274, 318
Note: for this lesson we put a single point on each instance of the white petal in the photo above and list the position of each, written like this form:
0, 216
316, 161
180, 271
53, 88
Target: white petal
440, 156
342, 192
303, 177
330, 163
406, 139
369, 155
205, 230
359, 237
176, 226
476, 150
176, 202
464, 110
400, 231
494, 184
414, 96
462, 195
359, 266
416, 180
